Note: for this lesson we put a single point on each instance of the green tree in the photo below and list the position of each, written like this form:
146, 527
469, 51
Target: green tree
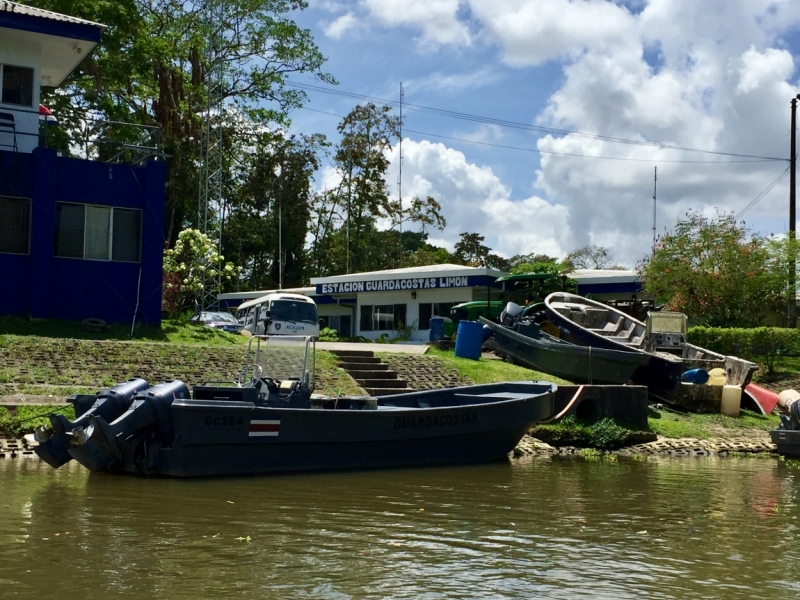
274, 193
151, 65
717, 272
591, 257
361, 159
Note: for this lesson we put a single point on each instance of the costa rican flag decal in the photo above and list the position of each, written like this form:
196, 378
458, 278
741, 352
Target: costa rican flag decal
262, 428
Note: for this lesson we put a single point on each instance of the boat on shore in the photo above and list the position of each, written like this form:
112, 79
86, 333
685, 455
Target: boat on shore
663, 339
538, 350
270, 424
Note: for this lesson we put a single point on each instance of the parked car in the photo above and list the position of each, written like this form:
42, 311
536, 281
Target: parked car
218, 320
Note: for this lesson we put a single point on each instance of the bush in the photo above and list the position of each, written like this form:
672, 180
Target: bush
605, 434
328, 335
762, 342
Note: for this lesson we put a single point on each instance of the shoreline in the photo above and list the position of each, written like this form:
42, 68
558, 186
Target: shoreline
22, 449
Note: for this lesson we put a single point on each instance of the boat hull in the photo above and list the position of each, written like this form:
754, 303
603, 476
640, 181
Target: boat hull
216, 438
579, 364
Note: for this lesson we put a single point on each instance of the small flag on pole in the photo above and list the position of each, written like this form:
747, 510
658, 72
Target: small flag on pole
47, 116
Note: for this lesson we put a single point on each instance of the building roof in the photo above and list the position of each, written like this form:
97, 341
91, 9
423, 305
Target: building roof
32, 11
590, 276
306, 291
446, 270
64, 41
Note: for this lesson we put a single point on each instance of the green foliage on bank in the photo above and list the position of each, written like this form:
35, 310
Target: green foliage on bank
26, 418
605, 434
759, 343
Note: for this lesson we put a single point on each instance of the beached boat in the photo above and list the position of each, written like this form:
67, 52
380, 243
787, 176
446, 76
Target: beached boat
663, 338
276, 424
533, 348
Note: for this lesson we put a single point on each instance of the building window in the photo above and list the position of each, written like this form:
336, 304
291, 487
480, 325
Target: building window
438, 309
98, 232
340, 323
17, 85
383, 317
15, 225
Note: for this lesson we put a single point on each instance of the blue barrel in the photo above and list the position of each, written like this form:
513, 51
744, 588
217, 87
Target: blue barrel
699, 376
469, 340
437, 329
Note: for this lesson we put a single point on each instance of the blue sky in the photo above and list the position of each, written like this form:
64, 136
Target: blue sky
713, 74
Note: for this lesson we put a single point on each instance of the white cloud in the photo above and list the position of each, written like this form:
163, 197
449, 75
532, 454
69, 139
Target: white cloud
474, 199
436, 19
338, 27
531, 32
711, 74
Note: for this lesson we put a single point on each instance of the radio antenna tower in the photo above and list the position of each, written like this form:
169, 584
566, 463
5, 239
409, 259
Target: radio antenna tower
210, 203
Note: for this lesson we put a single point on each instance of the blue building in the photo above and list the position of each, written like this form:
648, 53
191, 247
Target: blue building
78, 238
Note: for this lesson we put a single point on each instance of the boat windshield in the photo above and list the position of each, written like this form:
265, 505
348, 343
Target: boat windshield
283, 357
293, 310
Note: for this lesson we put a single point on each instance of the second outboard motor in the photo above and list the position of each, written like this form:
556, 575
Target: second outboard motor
101, 444
510, 314
111, 403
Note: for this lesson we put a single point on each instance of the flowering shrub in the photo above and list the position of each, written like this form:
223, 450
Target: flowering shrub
193, 267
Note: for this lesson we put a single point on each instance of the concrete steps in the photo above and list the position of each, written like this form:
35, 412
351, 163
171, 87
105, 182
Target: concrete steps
372, 375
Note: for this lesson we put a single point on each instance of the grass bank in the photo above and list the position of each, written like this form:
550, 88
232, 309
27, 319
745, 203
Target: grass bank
171, 331
490, 371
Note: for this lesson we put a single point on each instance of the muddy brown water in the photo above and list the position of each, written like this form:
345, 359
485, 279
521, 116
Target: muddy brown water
533, 528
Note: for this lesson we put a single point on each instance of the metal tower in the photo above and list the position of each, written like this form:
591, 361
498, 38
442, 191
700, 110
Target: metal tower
210, 201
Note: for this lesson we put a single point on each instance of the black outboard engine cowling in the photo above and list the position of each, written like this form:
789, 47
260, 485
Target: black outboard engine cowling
111, 403
101, 445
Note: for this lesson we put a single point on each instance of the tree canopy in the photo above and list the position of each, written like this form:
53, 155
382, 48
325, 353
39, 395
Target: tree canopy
717, 272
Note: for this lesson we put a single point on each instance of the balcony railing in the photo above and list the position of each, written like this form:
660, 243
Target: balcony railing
93, 139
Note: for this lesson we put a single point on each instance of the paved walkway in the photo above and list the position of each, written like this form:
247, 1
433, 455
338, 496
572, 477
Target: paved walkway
420, 348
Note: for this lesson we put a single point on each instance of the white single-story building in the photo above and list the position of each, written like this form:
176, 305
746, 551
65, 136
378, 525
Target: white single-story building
382, 302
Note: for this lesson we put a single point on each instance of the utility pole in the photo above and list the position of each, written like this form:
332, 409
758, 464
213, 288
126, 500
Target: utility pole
791, 312
655, 181
400, 174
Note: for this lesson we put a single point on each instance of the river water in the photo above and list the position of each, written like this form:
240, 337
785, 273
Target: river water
534, 528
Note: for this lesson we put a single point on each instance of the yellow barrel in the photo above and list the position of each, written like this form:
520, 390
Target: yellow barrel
731, 400
717, 377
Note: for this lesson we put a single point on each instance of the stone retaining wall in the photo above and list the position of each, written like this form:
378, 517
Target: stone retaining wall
686, 447
98, 364
425, 372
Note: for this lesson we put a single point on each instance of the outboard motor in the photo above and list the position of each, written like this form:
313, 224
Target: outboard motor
54, 440
510, 313
103, 445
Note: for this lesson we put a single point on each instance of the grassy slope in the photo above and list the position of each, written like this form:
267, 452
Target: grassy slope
488, 371
171, 331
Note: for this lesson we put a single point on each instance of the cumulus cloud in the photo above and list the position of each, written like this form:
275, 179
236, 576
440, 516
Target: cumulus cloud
713, 75
436, 19
474, 199
339, 26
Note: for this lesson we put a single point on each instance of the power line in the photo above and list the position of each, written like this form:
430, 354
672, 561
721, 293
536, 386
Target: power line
522, 126
537, 151
766, 191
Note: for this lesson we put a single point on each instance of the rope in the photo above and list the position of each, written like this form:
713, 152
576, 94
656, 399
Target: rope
567, 408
